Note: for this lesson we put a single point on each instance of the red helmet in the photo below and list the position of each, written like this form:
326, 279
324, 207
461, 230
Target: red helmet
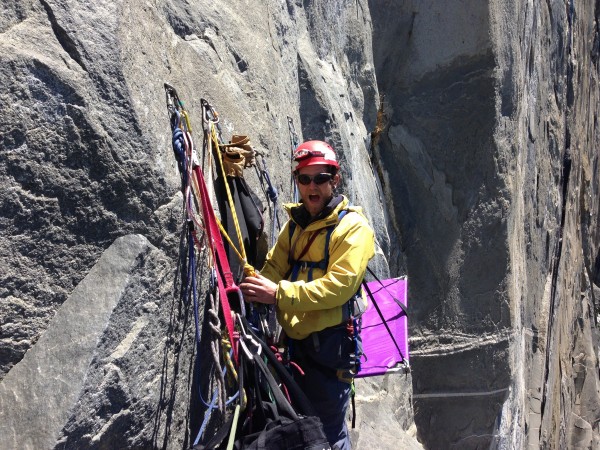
311, 153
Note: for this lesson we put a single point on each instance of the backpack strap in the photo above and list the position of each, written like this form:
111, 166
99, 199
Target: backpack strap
297, 264
295, 268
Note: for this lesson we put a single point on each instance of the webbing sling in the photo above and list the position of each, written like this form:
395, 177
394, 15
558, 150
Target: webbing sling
225, 282
301, 404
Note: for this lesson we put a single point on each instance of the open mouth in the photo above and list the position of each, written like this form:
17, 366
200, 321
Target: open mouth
314, 198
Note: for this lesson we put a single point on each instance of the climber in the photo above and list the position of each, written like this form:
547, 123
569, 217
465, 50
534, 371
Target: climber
313, 275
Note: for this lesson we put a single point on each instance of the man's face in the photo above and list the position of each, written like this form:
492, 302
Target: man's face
315, 196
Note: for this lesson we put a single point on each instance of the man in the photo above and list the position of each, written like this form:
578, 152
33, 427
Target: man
313, 275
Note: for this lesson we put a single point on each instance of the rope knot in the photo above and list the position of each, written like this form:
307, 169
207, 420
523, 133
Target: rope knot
249, 271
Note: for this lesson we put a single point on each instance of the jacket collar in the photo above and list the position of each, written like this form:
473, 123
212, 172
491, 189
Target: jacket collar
301, 216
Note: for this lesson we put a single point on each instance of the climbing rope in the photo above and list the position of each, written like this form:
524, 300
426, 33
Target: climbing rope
294, 141
215, 341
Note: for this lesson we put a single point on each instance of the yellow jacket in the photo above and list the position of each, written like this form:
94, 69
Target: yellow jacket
304, 307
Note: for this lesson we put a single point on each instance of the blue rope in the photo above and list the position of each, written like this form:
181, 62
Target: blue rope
271, 190
207, 415
179, 147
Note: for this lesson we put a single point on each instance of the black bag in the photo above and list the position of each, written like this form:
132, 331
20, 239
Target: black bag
305, 433
247, 207
280, 427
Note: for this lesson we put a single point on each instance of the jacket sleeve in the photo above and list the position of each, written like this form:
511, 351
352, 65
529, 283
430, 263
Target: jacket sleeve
352, 246
277, 265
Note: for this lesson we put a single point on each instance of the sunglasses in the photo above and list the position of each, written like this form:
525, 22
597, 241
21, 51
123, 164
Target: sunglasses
319, 178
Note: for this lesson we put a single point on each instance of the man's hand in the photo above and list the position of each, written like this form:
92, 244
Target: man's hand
259, 289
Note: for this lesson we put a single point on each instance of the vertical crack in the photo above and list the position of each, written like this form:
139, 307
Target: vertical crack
412, 24
565, 175
596, 45
62, 36
564, 183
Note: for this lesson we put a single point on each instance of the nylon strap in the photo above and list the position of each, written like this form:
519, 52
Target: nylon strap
297, 264
226, 283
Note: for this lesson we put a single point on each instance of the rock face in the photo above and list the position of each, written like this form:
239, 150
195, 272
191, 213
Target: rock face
56, 368
87, 165
466, 129
490, 151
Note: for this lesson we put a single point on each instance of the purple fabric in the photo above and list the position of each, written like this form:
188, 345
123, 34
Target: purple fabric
381, 354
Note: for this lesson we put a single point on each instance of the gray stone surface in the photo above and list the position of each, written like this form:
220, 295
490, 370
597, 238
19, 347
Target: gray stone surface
384, 417
38, 394
86, 158
490, 151
466, 129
